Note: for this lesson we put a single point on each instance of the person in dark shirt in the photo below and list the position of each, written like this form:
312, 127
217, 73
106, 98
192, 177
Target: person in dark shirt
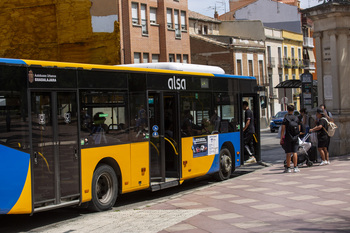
303, 123
322, 136
248, 132
290, 142
329, 117
188, 127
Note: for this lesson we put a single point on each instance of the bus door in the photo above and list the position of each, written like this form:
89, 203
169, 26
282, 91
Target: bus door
164, 136
55, 150
253, 104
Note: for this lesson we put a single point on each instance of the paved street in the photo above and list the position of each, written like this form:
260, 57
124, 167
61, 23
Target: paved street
257, 199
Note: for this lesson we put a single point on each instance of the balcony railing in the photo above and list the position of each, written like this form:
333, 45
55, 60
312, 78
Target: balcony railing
301, 64
308, 65
144, 27
287, 62
308, 42
295, 63
177, 31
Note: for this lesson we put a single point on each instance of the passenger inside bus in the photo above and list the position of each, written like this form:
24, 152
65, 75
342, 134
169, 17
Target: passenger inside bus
188, 127
99, 128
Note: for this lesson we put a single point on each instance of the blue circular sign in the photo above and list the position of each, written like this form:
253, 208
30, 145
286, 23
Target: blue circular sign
155, 128
155, 134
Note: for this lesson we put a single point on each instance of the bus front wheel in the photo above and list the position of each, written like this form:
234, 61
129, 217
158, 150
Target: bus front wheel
104, 188
225, 164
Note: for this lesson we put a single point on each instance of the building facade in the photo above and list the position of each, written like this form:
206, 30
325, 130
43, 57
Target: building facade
203, 25
239, 50
154, 31
273, 13
284, 55
331, 33
58, 31
308, 46
274, 66
292, 63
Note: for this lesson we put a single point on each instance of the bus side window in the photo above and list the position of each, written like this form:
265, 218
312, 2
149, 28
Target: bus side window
104, 118
139, 122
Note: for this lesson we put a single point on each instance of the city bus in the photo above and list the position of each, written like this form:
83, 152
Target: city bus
75, 133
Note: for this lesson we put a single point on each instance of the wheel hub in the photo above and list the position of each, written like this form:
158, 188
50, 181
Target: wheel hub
226, 163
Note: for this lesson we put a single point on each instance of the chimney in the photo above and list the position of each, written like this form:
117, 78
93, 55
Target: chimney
216, 15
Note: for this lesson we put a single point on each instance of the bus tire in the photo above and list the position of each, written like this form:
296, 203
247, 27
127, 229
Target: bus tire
104, 188
226, 165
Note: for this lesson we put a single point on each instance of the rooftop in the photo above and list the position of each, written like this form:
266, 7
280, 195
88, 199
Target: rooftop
198, 16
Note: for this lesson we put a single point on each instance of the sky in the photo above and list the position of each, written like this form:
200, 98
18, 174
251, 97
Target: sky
207, 7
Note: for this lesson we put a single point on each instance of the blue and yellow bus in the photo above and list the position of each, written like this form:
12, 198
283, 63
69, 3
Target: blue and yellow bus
79, 133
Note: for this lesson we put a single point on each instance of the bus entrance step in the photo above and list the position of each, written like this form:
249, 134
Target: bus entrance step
155, 186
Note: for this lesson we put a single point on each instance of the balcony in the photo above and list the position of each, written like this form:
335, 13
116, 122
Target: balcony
295, 63
308, 42
287, 62
308, 65
301, 64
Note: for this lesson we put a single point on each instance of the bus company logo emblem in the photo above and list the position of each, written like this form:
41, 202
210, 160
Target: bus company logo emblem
176, 83
30, 76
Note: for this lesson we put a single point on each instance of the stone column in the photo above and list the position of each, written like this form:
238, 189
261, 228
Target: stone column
331, 32
319, 57
341, 143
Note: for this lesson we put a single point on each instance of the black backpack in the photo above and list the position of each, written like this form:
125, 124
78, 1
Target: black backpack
293, 128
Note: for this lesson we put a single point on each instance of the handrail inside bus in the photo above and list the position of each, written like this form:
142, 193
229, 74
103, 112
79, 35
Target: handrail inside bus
154, 147
172, 145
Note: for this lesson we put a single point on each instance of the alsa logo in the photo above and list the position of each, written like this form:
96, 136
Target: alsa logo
176, 83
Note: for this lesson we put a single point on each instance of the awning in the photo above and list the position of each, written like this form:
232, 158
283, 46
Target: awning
311, 55
289, 84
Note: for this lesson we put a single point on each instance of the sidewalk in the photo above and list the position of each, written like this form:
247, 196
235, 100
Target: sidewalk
315, 200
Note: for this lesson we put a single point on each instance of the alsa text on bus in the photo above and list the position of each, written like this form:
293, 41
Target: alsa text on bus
176, 83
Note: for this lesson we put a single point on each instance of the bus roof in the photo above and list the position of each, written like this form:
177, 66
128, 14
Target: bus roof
118, 67
179, 67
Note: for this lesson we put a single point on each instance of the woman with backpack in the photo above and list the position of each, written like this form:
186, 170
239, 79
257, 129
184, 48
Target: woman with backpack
322, 136
289, 138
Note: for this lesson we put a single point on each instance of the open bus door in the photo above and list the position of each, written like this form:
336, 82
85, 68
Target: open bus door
253, 101
164, 139
55, 149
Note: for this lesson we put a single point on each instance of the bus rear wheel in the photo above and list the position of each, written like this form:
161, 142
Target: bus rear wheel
225, 165
104, 188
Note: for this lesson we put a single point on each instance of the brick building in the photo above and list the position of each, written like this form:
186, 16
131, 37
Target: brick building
154, 31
